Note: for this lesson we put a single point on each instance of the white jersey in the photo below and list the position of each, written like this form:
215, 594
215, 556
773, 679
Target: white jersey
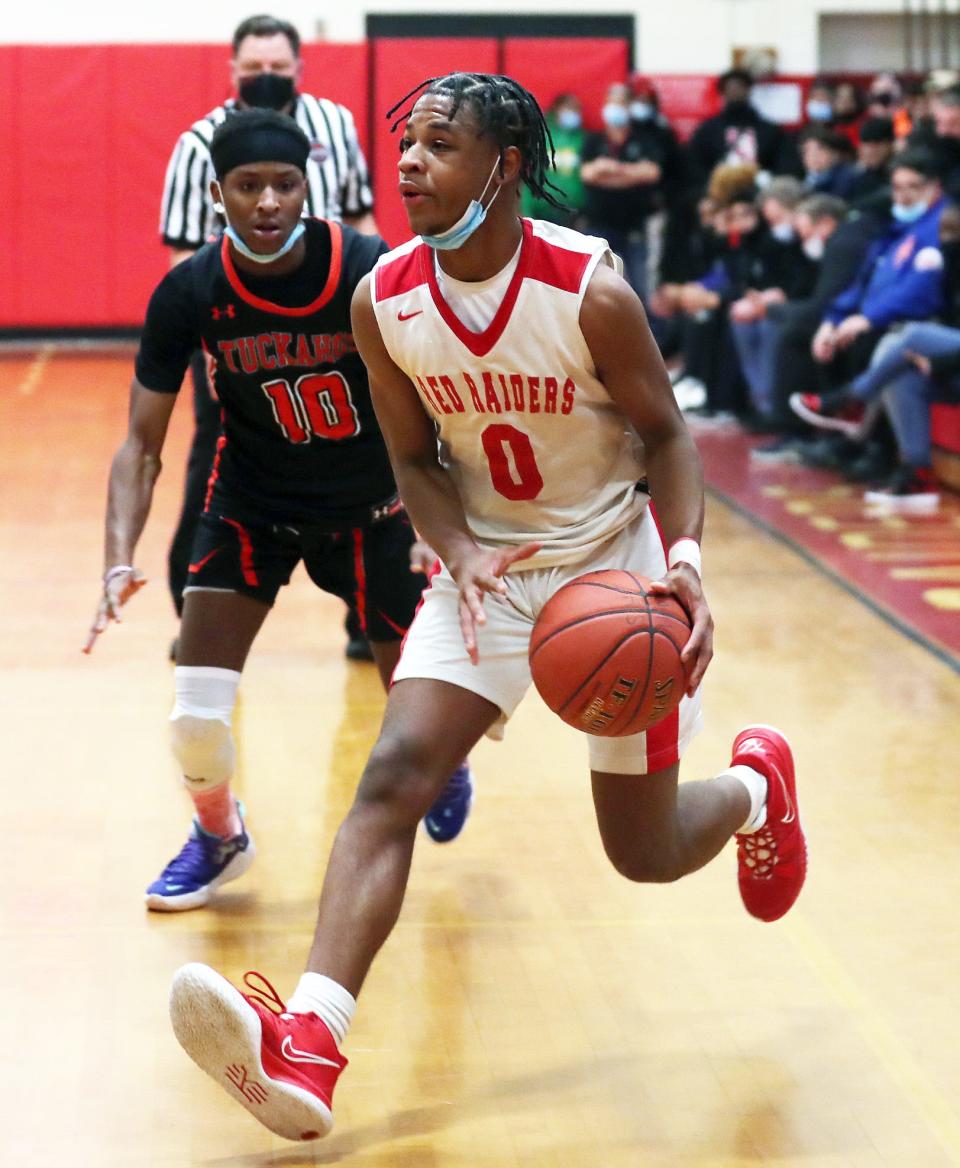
536, 446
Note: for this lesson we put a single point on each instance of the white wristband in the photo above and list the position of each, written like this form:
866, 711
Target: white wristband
684, 551
118, 570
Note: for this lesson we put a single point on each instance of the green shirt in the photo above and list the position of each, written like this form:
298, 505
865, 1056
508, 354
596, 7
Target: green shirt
568, 146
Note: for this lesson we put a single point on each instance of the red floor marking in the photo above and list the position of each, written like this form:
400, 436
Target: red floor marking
908, 566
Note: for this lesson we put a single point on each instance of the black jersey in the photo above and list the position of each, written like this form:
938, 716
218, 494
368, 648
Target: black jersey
300, 440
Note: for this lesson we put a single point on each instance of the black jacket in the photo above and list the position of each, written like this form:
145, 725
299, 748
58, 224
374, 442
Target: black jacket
713, 139
842, 257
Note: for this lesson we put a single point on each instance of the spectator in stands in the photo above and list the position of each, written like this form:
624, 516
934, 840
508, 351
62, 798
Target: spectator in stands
739, 134
945, 108
885, 99
565, 121
819, 104
900, 279
910, 370
836, 243
751, 269
626, 171
827, 162
848, 110
870, 188
756, 317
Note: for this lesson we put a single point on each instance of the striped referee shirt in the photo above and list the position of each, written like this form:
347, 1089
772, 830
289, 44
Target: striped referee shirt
338, 184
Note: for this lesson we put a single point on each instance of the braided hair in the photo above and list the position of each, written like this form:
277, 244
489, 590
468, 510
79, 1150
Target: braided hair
506, 111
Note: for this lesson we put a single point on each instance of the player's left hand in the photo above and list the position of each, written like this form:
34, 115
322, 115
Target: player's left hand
422, 556
683, 583
118, 587
479, 572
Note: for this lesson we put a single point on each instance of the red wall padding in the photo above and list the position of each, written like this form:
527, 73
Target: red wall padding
86, 132
945, 427
85, 136
549, 67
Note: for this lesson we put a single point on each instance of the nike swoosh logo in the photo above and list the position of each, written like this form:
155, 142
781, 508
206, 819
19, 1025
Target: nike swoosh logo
289, 1051
408, 315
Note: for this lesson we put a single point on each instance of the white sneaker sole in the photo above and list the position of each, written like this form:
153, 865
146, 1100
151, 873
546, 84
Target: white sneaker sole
221, 1032
912, 504
236, 868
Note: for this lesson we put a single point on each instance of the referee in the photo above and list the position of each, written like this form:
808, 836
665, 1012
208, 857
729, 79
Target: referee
265, 68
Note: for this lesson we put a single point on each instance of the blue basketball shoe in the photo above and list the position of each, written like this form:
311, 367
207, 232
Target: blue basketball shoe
204, 863
445, 819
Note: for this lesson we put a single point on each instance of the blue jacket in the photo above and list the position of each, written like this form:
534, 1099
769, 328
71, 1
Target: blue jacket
901, 277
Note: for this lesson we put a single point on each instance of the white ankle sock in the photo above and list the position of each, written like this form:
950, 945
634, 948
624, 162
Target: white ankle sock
756, 785
320, 995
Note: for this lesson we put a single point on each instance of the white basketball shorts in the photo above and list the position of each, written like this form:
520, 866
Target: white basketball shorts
434, 649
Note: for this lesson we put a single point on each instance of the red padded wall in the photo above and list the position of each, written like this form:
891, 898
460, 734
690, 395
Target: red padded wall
84, 141
549, 67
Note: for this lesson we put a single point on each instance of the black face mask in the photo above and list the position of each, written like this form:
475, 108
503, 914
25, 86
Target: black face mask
267, 91
738, 109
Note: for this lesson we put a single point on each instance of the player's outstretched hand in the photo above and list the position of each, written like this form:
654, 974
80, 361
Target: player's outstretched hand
684, 583
478, 572
119, 584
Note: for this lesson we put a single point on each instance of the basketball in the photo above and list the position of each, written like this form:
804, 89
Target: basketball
605, 653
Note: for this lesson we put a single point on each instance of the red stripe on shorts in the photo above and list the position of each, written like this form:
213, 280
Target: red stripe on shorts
360, 576
214, 470
246, 553
663, 746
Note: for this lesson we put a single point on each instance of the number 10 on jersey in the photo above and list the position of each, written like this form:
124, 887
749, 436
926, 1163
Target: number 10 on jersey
317, 405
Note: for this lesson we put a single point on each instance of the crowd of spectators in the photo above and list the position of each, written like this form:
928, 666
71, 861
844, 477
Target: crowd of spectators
802, 284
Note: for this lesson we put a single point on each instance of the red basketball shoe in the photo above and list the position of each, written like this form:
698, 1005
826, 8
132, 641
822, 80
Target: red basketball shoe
772, 861
282, 1067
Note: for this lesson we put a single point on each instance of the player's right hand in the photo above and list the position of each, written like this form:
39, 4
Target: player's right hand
118, 587
478, 572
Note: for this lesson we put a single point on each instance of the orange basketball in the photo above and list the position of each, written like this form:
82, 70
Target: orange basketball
605, 653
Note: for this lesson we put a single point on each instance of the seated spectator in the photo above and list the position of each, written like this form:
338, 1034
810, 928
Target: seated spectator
900, 279
848, 111
625, 172
739, 134
749, 265
945, 108
565, 121
870, 188
756, 317
836, 243
827, 162
819, 104
910, 370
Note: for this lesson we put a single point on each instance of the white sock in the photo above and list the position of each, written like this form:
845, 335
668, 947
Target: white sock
756, 785
320, 995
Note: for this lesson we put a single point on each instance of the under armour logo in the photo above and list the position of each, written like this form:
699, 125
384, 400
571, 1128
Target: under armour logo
252, 1091
229, 311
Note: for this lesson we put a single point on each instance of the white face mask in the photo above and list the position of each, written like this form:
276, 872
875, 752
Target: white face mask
813, 248
783, 232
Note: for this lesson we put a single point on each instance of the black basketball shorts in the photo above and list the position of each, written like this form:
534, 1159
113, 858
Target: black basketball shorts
368, 567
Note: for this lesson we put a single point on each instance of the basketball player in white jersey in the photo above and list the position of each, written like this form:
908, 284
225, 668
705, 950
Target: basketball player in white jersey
518, 344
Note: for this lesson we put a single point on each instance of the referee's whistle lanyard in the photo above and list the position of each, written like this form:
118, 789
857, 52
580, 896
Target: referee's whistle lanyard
234, 236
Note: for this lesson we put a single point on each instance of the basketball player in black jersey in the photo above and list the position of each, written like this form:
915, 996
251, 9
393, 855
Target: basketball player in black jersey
301, 470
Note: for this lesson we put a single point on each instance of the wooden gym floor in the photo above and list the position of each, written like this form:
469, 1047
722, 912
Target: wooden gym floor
531, 1008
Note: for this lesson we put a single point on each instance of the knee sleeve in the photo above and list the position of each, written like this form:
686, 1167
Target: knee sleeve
200, 725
